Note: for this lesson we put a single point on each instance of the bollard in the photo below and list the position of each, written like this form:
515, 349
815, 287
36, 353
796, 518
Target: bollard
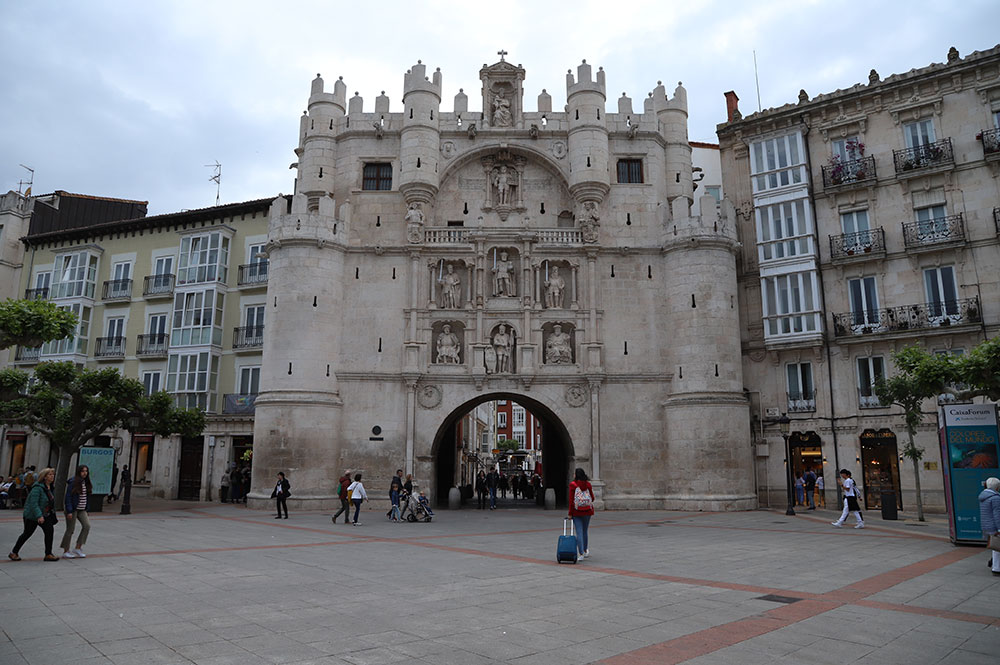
550, 498
454, 498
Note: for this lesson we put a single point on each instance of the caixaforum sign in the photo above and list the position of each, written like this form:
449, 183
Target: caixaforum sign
969, 415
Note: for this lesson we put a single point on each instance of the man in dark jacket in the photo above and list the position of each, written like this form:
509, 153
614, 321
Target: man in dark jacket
395, 487
492, 480
809, 480
345, 504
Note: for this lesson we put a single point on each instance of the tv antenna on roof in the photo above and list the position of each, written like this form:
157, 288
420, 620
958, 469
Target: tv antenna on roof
30, 181
216, 178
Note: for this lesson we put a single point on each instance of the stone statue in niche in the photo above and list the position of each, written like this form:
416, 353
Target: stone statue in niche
414, 223
502, 181
448, 348
558, 347
555, 285
589, 220
503, 276
501, 111
451, 288
503, 343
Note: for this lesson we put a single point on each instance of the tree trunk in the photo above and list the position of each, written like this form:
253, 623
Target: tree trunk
62, 473
916, 480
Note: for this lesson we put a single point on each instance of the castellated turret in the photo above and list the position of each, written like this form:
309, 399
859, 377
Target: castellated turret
317, 143
420, 138
588, 135
672, 117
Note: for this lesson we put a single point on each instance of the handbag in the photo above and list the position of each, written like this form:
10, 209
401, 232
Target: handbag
994, 542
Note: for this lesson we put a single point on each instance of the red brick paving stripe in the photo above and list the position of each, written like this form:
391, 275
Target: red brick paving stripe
872, 585
930, 611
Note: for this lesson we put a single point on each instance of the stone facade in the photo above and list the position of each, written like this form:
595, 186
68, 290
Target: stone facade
404, 223
869, 221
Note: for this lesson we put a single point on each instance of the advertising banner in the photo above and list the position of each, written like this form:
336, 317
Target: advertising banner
970, 449
101, 462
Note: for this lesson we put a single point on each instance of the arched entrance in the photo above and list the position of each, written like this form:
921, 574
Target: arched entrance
557, 448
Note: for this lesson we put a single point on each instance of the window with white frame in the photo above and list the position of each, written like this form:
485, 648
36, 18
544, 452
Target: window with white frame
164, 265
777, 162
43, 281
931, 222
857, 231
864, 301
519, 416
253, 315
942, 294
847, 149
192, 378
75, 275
871, 369
249, 380
76, 342
197, 318
790, 304
800, 381
919, 133
520, 438
151, 381
115, 328
501, 419
784, 230
157, 327
203, 258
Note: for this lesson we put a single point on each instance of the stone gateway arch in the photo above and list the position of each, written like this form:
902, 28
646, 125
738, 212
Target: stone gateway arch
430, 258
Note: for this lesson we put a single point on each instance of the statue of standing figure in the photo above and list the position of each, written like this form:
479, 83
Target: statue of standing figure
503, 277
502, 345
501, 111
558, 347
448, 350
451, 289
502, 182
554, 287
589, 220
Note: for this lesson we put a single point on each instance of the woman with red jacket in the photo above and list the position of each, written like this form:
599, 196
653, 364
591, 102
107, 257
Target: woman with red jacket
581, 509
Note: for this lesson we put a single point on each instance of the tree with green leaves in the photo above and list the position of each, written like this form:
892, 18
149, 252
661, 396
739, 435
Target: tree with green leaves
72, 405
31, 323
507, 445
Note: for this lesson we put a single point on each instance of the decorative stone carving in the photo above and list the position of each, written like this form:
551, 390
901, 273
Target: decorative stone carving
429, 396
414, 223
503, 276
448, 149
555, 287
504, 183
533, 131
379, 129
558, 347
953, 55
501, 111
558, 149
451, 288
504, 186
472, 131
633, 129
589, 220
449, 350
873, 77
803, 96
503, 346
576, 395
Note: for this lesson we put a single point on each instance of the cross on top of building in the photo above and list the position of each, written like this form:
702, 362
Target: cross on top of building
501, 53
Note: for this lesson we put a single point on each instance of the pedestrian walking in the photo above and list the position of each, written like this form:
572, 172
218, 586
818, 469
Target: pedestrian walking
799, 489
989, 516
581, 509
809, 481
39, 511
481, 488
408, 485
395, 487
235, 484
515, 486
114, 479
345, 504
492, 480
357, 493
281, 493
821, 490
224, 487
77, 503
246, 483
504, 485
851, 501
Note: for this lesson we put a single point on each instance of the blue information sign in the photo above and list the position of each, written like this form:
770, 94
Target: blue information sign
969, 455
101, 462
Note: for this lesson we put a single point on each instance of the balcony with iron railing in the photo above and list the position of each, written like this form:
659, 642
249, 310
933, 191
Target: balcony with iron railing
239, 403
252, 274
920, 317
867, 399
109, 347
933, 234
858, 246
846, 174
991, 143
28, 354
36, 294
248, 337
158, 286
802, 402
152, 345
117, 289
923, 158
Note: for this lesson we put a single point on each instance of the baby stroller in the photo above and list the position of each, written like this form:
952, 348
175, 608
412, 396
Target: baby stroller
415, 509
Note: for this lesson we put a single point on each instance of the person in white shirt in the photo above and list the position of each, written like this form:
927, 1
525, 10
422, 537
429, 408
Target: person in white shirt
851, 504
357, 493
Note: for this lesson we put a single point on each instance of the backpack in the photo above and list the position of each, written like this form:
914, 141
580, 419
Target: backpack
582, 499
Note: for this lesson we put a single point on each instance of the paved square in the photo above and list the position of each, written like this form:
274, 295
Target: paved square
218, 584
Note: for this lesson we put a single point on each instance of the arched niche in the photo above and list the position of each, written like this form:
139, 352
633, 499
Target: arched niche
559, 343
448, 343
503, 265
500, 355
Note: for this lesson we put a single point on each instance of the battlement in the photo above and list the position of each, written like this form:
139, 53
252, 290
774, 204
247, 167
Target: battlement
584, 81
297, 219
317, 96
716, 226
661, 103
416, 80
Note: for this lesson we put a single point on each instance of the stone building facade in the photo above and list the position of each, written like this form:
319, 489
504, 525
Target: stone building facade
869, 221
430, 260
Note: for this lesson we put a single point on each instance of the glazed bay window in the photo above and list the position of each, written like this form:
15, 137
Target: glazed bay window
197, 318
790, 304
783, 230
801, 392
376, 177
75, 275
870, 371
192, 379
777, 162
203, 258
77, 342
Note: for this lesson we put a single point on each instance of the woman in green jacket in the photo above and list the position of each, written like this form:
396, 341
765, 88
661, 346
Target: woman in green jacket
39, 511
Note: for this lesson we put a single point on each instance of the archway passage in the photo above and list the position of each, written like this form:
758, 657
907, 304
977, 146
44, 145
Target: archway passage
460, 450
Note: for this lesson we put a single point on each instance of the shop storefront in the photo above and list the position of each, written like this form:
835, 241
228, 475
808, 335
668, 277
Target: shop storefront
880, 467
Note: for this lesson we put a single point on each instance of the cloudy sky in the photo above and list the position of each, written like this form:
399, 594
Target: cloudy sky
133, 99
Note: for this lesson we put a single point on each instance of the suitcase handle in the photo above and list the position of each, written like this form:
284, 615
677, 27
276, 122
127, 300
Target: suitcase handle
568, 524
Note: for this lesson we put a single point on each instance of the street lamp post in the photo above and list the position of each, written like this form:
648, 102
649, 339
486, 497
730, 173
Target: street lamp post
126, 489
785, 425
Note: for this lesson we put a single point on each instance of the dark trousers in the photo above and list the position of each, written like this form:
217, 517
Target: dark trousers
493, 498
224, 493
482, 499
29, 528
281, 504
345, 509
357, 509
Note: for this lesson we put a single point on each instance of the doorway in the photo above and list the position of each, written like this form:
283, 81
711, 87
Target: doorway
189, 473
16, 443
880, 467
807, 453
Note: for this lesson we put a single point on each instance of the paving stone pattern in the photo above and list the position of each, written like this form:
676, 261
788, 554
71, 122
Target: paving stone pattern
215, 585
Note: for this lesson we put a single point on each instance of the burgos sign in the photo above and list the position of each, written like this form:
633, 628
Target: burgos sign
969, 415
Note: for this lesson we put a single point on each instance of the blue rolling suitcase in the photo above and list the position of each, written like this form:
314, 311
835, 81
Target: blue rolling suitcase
566, 549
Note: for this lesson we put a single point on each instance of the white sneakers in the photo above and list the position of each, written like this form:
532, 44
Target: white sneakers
840, 525
586, 553
859, 525
74, 554
79, 553
836, 524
